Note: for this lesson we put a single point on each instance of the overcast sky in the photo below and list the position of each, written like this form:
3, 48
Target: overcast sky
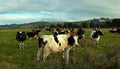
24, 11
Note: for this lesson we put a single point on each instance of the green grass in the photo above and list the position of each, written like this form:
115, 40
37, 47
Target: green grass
86, 56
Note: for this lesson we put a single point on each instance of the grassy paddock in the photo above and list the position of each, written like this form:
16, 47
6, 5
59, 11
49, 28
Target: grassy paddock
86, 56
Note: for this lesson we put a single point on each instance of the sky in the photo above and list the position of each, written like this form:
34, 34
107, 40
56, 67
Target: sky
25, 11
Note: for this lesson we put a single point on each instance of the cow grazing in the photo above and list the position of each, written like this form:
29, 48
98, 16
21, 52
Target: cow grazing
80, 32
48, 45
95, 36
60, 31
113, 30
118, 30
34, 33
21, 37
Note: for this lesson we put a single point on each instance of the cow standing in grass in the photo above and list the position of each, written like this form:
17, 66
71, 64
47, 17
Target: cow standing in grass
21, 37
118, 30
81, 33
48, 45
34, 33
95, 35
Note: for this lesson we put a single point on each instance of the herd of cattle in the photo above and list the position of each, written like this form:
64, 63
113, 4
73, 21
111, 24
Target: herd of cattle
60, 41
22, 36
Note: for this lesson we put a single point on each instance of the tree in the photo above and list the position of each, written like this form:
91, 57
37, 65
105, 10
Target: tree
86, 24
108, 24
116, 22
59, 25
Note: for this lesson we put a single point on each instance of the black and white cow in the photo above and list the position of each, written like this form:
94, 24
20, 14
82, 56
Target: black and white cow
81, 33
34, 33
118, 30
60, 31
21, 37
95, 36
113, 30
48, 45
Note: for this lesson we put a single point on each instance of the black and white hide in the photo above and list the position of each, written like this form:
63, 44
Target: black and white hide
113, 30
48, 45
60, 32
118, 30
21, 37
95, 36
81, 33
34, 33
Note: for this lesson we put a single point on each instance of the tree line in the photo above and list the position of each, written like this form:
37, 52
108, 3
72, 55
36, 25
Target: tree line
88, 24
85, 24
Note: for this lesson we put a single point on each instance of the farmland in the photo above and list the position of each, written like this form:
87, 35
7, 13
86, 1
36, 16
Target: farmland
86, 56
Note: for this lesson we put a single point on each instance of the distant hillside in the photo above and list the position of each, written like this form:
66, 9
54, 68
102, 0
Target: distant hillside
30, 25
25, 25
102, 22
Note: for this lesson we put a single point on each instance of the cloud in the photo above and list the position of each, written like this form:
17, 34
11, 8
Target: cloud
18, 11
40, 16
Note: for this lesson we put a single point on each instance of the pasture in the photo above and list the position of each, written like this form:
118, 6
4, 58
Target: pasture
86, 56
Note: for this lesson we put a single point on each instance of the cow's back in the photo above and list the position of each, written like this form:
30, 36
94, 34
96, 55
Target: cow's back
52, 45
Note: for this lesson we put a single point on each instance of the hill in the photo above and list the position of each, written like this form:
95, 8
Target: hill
25, 25
102, 22
32, 24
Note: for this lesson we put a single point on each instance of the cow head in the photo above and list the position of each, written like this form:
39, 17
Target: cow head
73, 40
21, 34
41, 42
99, 32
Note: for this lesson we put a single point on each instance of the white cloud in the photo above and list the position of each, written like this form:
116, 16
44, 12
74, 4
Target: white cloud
28, 10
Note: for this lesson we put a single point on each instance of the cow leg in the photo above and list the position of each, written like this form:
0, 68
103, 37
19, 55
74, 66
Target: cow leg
39, 53
45, 54
63, 55
66, 55
20, 44
97, 43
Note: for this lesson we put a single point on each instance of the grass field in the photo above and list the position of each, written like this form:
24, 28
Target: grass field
86, 56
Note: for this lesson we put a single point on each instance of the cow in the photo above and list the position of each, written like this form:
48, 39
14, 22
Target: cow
21, 37
113, 30
118, 30
34, 33
95, 36
48, 45
81, 33
60, 31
